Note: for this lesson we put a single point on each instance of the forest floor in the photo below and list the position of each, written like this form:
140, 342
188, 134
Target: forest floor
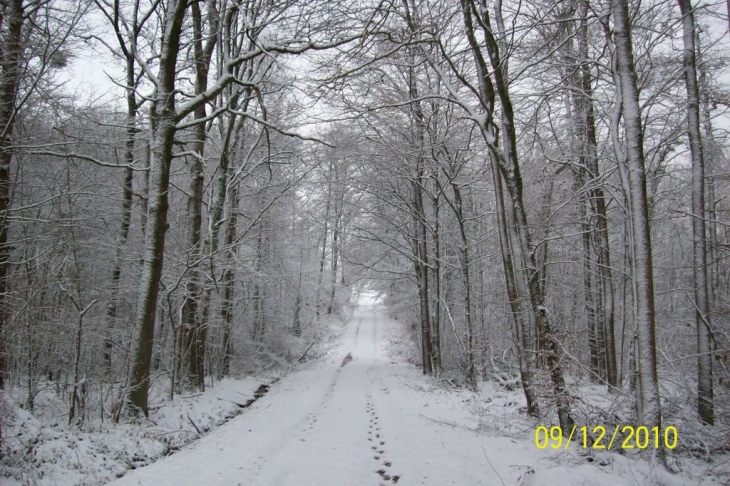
364, 416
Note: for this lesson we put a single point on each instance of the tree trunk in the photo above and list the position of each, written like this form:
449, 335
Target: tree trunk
259, 292
598, 201
419, 216
649, 405
590, 309
233, 127
336, 226
11, 59
421, 267
227, 304
165, 129
436, 282
318, 304
472, 376
193, 328
705, 407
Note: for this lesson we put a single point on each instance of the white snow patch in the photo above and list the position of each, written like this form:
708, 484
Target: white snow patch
47, 451
378, 420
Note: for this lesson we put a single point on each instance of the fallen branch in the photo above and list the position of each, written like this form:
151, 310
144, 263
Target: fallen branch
305, 353
196, 427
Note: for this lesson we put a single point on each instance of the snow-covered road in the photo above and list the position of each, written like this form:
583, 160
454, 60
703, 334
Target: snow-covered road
370, 420
329, 424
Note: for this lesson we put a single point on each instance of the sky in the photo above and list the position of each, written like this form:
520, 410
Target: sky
87, 77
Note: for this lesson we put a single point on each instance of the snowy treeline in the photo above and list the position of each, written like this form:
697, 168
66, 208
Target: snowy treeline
535, 187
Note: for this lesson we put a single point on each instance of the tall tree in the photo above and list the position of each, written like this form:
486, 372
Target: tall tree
589, 155
493, 79
705, 406
164, 122
194, 330
647, 387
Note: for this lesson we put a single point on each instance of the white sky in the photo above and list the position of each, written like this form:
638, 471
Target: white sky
86, 79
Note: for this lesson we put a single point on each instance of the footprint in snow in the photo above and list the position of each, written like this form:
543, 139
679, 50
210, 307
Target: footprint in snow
383, 471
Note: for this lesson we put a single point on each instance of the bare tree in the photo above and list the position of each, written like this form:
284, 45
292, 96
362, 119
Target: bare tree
523, 275
647, 387
127, 40
164, 121
34, 34
705, 406
194, 330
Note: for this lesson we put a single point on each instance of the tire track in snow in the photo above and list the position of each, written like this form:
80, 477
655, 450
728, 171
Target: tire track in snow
307, 431
324, 448
300, 432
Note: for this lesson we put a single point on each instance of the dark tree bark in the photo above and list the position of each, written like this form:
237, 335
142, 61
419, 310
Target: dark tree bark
11, 58
472, 375
595, 364
164, 132
328, 203
259, 325
436, 283
227, 304
420, 229
421, 268
336, 227
194, 330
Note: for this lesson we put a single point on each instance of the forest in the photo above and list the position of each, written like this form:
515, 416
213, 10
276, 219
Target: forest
537, 190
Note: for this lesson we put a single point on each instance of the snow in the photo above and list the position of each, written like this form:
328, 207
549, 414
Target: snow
46, 451
376, 419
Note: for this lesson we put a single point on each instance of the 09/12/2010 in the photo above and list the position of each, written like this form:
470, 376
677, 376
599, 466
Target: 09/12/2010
640, 437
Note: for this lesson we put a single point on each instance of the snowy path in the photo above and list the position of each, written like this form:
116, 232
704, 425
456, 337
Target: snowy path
369, 421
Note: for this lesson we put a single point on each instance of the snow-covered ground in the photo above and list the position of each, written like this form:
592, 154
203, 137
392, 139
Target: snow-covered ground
48, 452
375, 419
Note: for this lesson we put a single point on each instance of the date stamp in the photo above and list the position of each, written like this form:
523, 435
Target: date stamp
598, 437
